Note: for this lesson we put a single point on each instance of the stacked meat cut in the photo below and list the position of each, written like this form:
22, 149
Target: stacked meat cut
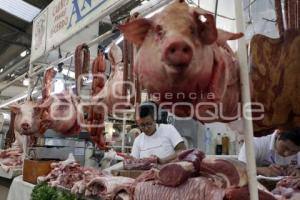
86, 181
193, 177
10, 158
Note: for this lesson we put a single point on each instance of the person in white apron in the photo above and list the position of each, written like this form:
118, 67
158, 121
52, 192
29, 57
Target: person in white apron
160, 140
281, 148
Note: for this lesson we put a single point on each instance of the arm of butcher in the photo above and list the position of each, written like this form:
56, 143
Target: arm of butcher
179, 147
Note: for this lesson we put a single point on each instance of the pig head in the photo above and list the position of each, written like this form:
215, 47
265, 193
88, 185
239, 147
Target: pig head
28, 118
60, 114
183, 59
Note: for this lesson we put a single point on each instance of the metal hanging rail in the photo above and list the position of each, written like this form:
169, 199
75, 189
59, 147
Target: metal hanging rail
38, 70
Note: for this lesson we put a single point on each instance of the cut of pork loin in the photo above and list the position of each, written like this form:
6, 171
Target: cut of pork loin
174, 174
232, 171
140, 164
108, 186
194, 156
187, 164
199, 188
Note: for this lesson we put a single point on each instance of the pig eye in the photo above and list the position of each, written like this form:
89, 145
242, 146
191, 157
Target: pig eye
159, 30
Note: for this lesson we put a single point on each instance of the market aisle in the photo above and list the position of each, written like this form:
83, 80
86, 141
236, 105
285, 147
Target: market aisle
3, 192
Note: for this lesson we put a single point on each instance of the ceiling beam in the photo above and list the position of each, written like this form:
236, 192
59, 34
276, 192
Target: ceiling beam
14, 28
15, 66
15, 43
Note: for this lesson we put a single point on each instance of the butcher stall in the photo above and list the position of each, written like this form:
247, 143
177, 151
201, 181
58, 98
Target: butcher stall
213, 77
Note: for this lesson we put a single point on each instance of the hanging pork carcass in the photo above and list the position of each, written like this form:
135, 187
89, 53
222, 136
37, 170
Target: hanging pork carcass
107, 96
185, 64
59, 111
275, 77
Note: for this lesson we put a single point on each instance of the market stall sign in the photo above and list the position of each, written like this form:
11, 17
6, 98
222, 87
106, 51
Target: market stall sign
68, 17
38, 43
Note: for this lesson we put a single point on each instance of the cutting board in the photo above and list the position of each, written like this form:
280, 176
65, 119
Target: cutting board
35, 168
127, 173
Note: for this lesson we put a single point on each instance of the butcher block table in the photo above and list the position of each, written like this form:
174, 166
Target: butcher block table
20, 190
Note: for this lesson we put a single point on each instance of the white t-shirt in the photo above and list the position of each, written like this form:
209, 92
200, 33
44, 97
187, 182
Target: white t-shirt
266, 154
161, 143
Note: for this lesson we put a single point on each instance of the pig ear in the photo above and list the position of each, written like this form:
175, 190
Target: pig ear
206, 27
223, 36
15, 108
136, 30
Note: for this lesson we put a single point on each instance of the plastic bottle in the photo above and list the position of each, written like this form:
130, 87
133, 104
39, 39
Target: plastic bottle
208, 141
225, 144
219, 144
232, 147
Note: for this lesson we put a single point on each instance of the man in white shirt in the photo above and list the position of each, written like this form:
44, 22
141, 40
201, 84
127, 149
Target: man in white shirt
280, 148
160, 140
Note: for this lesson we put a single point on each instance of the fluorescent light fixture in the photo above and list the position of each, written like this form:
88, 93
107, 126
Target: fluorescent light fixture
1, 70
59, 86
20, 9
26, 82
16, 99
119, 40
6, 116
23, 54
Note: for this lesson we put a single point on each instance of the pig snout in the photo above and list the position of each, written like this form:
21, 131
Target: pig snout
178, 54
25, 126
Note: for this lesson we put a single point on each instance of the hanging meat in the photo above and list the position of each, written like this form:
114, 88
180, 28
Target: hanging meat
59, 110
184, 62
274, 73
82, 63
108, 97
96, 112
115, 92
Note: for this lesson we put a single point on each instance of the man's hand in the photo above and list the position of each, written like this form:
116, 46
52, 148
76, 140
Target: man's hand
271, 171
159, 160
